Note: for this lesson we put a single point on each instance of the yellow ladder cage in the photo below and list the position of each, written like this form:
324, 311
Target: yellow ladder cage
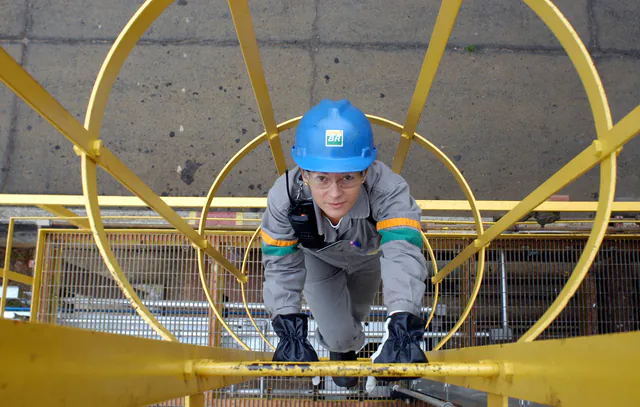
186, 302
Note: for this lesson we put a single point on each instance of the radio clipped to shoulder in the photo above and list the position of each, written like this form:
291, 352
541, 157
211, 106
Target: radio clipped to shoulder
302, 216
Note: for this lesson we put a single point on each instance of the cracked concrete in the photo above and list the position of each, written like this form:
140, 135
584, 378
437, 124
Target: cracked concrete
506, 106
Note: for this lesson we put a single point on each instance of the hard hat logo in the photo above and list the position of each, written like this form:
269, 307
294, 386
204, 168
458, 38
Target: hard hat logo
334, 138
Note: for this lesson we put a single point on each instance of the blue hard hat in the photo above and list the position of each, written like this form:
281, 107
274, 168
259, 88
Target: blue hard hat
334, 136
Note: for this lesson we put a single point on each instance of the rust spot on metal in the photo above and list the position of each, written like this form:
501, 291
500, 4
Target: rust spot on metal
258, 367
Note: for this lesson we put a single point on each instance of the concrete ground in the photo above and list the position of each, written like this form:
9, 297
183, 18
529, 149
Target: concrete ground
507, 105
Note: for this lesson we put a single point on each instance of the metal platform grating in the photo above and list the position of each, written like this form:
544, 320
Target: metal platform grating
522, 278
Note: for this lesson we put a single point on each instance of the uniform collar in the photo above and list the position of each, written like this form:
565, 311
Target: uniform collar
361, 209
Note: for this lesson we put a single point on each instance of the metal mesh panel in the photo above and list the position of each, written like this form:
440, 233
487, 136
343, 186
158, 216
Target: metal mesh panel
78, 290
523, 276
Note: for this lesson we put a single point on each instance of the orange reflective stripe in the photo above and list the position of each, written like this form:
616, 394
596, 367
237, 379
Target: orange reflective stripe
389, 223
273, 242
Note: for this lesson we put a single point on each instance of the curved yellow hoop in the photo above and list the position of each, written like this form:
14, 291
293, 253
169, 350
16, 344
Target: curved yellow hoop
582, 62
205, 211
138, 24
437, 286
115, 59
90, 190
253, 322
427, 145
377, 121
586, 69
600, 224
244, 298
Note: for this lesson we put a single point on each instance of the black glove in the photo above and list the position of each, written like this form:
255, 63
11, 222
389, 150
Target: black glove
293, 346
403, 335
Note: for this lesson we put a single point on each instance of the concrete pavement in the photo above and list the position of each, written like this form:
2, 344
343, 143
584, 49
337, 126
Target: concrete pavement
507, 105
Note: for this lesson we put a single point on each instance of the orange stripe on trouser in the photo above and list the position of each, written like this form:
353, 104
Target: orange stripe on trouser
389, 223
273, 242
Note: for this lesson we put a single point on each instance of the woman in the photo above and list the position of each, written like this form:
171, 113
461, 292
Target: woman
333, 228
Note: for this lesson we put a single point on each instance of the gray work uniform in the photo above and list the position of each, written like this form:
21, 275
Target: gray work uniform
378, 238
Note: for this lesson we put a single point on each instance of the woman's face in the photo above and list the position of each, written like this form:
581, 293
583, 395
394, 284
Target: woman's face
335, 192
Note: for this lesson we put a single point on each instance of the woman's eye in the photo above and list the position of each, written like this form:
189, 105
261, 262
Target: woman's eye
321, 178
348, 177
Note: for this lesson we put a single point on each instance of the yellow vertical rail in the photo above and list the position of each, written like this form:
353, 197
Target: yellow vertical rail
23, 85
249, 45
37, 276
42, 102
441, 31
7, 266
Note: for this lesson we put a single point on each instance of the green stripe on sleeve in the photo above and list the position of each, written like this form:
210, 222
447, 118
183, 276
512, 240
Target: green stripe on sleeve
410, 235
269, 250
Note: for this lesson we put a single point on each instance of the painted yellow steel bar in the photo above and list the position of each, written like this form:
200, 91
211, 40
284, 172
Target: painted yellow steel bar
203, 224
253, 202
126, 41
601, 222
375, 120
247, 37
20, 278
194, 400
115, 167
602, 118
208, 368
7, 266
37, 276
462, 182
68, 215
427, 145
205, 212
599, 370
472, 299
437, 44
582, 62
586, 160
25, 86
242, 288
497, 400
93, 211
439, 235
434, 305
434, 264
118, 53
60, 366
610, 140
129, 201
621, 133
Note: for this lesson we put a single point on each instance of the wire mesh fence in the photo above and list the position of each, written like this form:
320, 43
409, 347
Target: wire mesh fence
523, 276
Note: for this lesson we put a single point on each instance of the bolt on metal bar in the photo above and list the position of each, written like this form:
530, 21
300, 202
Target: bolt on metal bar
355, 369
